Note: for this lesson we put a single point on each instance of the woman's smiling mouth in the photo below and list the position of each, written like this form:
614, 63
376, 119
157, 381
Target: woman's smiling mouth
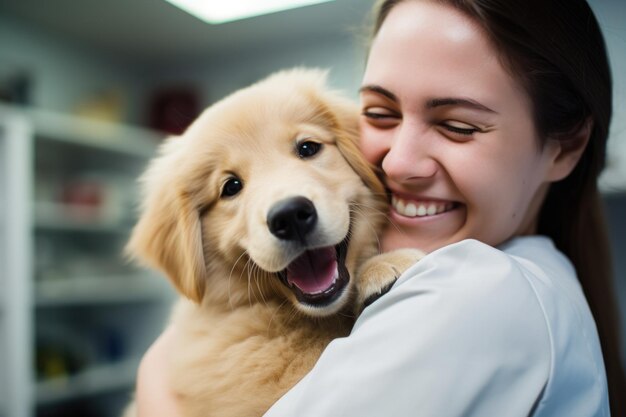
423, 208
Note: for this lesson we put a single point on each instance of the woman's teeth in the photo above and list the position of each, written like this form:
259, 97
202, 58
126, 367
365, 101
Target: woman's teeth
411, 209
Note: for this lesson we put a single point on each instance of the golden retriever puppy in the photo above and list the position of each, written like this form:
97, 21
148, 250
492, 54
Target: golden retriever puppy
264, 216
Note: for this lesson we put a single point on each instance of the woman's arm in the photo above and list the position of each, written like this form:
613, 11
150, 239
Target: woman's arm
460, 334
154, 397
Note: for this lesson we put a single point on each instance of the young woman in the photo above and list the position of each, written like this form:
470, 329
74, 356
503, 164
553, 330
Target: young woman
489, 119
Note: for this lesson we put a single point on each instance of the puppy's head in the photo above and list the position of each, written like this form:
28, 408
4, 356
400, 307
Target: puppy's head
263, 192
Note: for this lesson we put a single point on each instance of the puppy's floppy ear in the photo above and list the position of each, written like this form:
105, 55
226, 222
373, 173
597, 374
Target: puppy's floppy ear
346, 115
168, 235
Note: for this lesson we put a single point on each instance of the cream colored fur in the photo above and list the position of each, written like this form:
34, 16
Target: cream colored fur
244, 337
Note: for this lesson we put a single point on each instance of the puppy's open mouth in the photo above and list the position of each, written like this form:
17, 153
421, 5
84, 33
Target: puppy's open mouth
318, 276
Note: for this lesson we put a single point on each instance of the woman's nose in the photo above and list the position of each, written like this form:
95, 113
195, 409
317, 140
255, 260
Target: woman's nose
410, 155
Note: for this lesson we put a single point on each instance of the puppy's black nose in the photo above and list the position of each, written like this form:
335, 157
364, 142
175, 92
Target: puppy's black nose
292, 218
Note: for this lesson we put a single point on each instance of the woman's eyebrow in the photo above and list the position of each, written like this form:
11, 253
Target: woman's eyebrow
380, 90
463, 102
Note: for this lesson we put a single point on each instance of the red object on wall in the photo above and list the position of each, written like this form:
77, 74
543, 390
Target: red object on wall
82, 193
172, 110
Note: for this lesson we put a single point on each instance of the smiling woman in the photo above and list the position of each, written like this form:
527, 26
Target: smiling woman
488, 121
451, 127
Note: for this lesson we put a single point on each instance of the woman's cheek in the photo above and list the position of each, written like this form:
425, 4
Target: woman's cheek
373, 144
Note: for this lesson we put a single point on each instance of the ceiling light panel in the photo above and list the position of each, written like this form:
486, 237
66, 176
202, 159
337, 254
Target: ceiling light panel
222, 11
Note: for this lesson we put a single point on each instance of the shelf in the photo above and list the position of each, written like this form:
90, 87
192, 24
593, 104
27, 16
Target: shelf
101, 290
64, 217
92, 381
94, 134
67, 204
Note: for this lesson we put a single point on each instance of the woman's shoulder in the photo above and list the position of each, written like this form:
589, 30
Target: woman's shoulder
484, 291
469, 322
519, 266
478, 302
461, 321
516, 289
473, 272
522, 275
519, 305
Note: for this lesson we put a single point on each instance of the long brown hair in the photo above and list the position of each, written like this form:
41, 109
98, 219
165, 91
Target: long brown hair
555, 48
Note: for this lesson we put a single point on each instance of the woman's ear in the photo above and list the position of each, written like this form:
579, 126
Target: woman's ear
566, 150
168, 235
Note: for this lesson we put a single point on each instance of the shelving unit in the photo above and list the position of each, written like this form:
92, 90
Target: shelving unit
92, 381
15, 268
75, 317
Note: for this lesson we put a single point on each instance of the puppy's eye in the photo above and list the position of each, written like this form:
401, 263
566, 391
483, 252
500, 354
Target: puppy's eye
231, 187
307, 149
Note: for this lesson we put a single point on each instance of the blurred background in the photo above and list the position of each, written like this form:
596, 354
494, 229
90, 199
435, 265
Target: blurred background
88, 89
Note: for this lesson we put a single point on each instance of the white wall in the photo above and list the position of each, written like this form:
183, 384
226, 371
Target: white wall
64, 74
220, 75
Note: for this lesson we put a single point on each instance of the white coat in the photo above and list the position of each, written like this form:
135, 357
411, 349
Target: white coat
470, 330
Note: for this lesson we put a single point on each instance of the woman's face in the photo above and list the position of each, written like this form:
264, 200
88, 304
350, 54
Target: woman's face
452, 130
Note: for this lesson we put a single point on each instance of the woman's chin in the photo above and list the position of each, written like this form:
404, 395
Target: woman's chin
393, 240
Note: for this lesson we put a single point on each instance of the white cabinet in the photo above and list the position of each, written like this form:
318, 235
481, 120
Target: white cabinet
75, 316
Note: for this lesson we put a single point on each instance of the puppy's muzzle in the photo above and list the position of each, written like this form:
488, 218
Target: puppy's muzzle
318, 276
292, 219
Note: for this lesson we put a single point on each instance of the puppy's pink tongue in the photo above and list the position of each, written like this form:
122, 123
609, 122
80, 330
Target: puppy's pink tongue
314, 271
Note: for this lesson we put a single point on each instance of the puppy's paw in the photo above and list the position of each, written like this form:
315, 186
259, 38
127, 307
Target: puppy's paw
378, 274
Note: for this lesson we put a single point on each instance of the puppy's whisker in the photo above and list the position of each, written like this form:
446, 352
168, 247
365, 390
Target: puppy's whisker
230, 275
371, 207
294, 313
243, 274
269, 324
249, 284
386, 195
347, 315
368, 222
256, 276
259, 276
376, 211
364, 214
388, 219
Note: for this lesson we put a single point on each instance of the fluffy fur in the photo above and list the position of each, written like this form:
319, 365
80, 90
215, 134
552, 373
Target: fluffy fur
245, 335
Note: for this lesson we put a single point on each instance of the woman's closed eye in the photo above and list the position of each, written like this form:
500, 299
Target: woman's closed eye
380, 116
460, 128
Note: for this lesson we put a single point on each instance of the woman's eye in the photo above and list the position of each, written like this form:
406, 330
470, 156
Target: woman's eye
460, 128
378, 113
231, 187
374, 115
381, 117
307, 149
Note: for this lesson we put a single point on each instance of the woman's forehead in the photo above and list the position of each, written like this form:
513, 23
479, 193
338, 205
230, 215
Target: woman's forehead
429, 50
